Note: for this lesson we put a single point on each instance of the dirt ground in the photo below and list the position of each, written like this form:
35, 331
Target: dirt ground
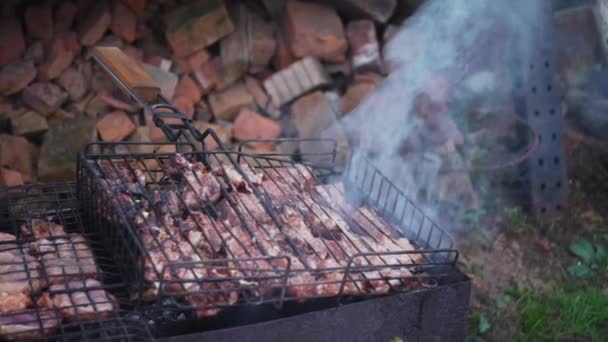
507, 248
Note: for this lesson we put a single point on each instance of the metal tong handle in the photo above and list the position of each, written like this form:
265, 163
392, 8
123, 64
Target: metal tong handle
139, 85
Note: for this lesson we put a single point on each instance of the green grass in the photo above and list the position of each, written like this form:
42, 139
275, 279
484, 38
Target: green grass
563, 314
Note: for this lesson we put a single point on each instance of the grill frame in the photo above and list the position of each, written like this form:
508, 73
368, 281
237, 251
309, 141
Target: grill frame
87, 178
57, 202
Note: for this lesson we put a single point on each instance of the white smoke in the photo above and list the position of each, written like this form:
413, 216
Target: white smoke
461, 50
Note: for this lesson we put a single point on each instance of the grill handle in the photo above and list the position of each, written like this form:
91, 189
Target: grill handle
139, 85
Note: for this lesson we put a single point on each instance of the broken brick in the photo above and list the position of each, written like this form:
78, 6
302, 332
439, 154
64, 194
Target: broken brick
12, 42
184, 105
137, 6
94, 24
115, 126
57, 158
167, 81
124, 22
227, 103
43, 97
16, 76
378, 10
263, 43
251, 125
196, 25
61, 53
207, 75
355, 94
299, 78
192, 62
364, 47
261, 98
283, 56
28, 123
324, 39
35, 52
17, 154
64, 16
74, 83
10, 177
312, 114
235, 48
189, 89
39, 22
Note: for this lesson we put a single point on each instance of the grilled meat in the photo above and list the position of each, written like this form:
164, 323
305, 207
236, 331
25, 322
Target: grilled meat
19, 273
83, 300
7, 237
236, 179
66, 259
40, 229
11, 302
29, 324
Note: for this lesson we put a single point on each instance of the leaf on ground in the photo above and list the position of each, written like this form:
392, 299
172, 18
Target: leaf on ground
581, 271
484, 324
601, 254
584, 250
503, 299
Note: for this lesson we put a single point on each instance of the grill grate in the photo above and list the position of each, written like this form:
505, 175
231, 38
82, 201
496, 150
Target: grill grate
269, 230
57, 282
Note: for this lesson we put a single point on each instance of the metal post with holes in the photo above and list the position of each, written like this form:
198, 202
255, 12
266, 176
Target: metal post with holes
548, 172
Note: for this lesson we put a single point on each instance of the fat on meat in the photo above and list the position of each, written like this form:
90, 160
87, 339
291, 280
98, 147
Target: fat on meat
83, 300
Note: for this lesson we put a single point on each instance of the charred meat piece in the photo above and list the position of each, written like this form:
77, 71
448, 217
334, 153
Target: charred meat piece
66, 259
83, 300
235, 178
248, 205
19, 273
168, 202
201, 187
11, 302
30, 324
41, 229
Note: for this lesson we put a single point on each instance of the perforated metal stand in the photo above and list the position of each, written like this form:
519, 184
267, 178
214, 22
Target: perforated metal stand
547, 168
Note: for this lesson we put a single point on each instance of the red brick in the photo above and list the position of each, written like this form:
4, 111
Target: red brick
189, 89
10, 177
324, 39
261, 98
17, 153
227, 103
355, 94
155, 133
39, 22
28, 123
12, 42
64, 16
115, 126
263, 43
135, 53
190, 63
124, 22
94, 24
43, 97
196, 25
312, 114
224, 132
283, 57
74, 83
184, 104
35, 52
208, 74
364, 47
167, 81
16, 76
299, 78
251, 125
137, 6
59, 57
378, 10
119, 104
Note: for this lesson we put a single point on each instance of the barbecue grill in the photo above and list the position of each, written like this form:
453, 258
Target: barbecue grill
21, 208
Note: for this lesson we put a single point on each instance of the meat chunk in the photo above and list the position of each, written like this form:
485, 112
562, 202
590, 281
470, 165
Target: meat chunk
7, 237
19, 273
299, 176
236, 179
29, 324
40, 229
83, 300
201, 187
11, 302
67, 259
